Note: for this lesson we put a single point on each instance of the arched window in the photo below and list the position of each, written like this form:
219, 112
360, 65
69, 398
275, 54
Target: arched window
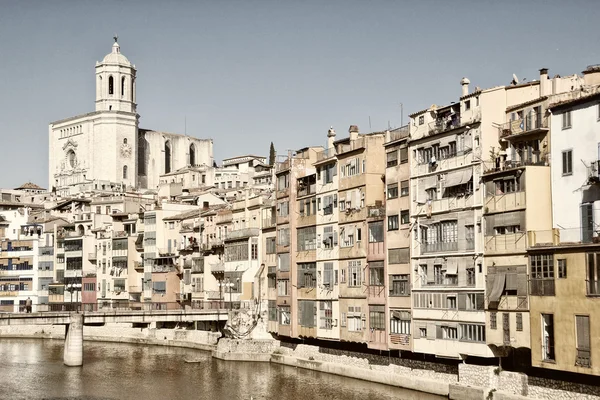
122, 86
111, 86
192, 154
125, 141
124, 171
167, 157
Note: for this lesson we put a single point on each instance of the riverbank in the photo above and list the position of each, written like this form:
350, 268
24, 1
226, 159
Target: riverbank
460, 382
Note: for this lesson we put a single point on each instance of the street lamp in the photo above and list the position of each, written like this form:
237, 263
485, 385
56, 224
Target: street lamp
74, 287
229, 285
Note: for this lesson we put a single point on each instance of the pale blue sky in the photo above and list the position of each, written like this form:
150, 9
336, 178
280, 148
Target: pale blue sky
246, 73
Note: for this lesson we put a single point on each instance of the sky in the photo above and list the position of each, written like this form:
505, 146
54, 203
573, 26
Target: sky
248, 73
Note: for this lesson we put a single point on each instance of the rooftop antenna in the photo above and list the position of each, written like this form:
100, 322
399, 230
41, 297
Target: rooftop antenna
401, 114
185, 125
369, 122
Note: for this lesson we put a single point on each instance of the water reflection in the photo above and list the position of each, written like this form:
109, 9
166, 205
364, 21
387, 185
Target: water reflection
33, 369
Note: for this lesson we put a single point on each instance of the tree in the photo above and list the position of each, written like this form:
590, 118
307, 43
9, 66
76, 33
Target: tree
272, 154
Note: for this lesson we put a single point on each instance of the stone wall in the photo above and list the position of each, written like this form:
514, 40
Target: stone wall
401, 366
245, 349
507, 384
120, 333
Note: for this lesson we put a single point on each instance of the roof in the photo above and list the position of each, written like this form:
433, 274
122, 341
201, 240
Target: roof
30, 185
527, 103
573, 102
247, 155
184, 215
142, 130
69, 201
115, 56
197, 168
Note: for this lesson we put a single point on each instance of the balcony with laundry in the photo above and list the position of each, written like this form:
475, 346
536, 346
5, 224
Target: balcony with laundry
449, 191
447, 118
522, 122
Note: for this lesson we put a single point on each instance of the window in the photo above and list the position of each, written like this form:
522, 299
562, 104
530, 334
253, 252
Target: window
254, 250
423, 332
562, 268
285, 315
307, 238
493, 320
587, 222
542, 275
354, 319
404, 217
399, 285
399, 256
329, 203
307, 275
468, 105
376, 232
329, 237
111, 86
566, 120
400, 322
403, 155
89, 287
272, 310
593, 274
447, 332
376, 273
507, 185
167, 157
328, 274
283, 209
283, 286
451, 302
122, 86
271, 246
392, 191
283, 262
404, 188
421, 120
325, 315
354, 273
377, 318
125, 141
192, 154
582, 328
392, 159
124, 171
519, 317
236, 251
567, 162
548, 337
472, 333
393, 223
470, 276
307, 313
283, 237
283, 182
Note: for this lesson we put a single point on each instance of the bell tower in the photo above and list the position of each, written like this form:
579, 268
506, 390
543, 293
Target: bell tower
115, 82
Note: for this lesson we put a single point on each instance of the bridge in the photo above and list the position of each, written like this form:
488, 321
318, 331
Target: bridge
74, 322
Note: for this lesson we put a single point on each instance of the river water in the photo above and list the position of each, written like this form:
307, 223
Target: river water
33, 369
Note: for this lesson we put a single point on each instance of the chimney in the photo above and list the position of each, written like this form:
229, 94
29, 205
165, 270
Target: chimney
545, 87
330, 138
464, 82
353, 131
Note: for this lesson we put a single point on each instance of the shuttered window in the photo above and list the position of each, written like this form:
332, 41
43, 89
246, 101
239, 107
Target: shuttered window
582, 326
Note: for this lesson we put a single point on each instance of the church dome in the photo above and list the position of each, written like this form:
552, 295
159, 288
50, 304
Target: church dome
115, 56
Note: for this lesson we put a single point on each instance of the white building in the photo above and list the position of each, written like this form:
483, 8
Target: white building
575, 151
106, 150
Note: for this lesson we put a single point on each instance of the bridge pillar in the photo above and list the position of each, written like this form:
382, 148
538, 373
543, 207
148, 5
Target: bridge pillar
73, 351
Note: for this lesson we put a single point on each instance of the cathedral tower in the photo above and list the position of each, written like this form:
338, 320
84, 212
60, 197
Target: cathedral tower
115, 82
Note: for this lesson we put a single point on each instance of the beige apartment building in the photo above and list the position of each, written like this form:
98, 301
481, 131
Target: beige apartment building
395, 234
296, 243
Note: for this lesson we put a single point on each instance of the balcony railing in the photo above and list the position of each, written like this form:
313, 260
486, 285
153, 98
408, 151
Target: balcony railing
445, 281
307, 190
352, 145
282, 166
440, 247
532, 122
441, 125
541, 287
243, 233
325, 154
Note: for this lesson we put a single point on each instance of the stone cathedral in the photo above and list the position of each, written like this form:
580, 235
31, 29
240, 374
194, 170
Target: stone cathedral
105, 150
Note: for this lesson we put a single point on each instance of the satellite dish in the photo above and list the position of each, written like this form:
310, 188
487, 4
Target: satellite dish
515, 79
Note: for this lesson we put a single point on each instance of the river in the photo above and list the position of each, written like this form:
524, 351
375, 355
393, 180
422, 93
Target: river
33, 369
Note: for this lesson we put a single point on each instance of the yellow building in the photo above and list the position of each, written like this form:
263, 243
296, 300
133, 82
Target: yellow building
564, 297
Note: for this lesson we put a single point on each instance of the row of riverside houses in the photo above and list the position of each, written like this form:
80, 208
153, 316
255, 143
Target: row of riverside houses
468, 234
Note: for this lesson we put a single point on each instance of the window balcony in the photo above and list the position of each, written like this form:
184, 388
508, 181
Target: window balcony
541, 287
439, 247
583, 358
442, 125
532, 123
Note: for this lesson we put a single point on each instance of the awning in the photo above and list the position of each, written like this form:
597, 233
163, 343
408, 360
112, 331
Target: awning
140, 239
591, 194
509, 219
497, 288
456, 178
451, 267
